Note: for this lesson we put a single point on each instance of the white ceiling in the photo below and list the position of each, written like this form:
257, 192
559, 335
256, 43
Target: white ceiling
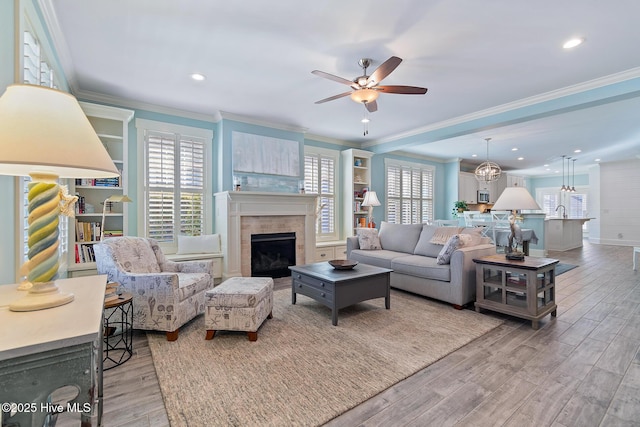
475, 57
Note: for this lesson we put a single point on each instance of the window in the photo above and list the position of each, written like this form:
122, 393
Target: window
409, 192
320, 178
36, 68
37, 71
175, 190
575, 203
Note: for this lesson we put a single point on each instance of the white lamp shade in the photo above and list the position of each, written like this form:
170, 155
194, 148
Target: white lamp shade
515, 198
45, 130
371, 199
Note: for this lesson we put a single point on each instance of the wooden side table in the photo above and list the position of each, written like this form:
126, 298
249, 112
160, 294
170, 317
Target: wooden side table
524, 289
118, 331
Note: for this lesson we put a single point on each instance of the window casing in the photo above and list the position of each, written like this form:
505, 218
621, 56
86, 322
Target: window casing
409, 197
320, 168
176, 185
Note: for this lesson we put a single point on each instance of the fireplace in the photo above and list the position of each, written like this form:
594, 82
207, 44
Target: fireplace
241, 214
272, 254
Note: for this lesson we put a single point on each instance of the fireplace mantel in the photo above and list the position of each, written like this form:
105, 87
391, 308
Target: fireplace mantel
232, 206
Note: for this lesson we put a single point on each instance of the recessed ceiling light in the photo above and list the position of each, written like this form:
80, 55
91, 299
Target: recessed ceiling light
546, 165
514, 149
474, 155
573, 42
365, 120
577, 151
198, 77
520, 158
596, 160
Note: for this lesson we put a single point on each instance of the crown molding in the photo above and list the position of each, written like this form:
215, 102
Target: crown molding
600, 82
258, 122
329, 140
121, 102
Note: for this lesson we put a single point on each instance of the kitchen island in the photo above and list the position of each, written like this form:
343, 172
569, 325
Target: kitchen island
563, 234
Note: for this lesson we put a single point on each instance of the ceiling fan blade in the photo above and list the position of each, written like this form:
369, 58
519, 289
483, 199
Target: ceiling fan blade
383, 70
332, 77
405, 90
331, 98
371, 107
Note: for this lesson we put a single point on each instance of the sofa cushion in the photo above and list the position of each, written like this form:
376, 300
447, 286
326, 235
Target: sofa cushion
368, 239
399, 237
381, 258
421, 266
424, 246
456, 241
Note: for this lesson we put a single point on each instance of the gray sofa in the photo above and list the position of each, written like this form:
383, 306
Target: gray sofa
407, 249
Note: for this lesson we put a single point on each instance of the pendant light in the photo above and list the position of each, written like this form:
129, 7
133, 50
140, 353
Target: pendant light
563, 188
488, 171
573, 177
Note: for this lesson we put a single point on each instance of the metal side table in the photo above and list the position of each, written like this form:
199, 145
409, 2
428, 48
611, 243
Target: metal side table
118, 331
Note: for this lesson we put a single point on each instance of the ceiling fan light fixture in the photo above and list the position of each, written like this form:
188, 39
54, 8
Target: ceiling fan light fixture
488, 171
364, 95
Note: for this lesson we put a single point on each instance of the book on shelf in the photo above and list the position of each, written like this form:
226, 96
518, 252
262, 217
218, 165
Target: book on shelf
84, 253
87, 231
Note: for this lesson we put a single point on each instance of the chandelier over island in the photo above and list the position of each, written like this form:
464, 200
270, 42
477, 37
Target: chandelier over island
488, 171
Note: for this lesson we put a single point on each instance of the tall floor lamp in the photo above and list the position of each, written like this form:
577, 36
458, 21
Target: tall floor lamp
45, 134
115, 198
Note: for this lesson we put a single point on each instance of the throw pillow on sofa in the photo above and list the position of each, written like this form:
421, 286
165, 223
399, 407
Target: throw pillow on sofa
424, 246
368, 239
399, 237
455, 242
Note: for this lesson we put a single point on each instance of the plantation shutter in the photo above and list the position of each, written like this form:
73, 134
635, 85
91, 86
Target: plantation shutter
319, 178
175, 186
409, 193
191, 186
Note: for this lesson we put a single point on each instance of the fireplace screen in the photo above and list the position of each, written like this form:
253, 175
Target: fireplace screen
272, 254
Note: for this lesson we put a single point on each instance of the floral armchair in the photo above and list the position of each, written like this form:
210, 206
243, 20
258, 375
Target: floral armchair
166, 294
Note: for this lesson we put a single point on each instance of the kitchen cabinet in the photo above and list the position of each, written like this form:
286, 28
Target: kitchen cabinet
516, 181
468, 188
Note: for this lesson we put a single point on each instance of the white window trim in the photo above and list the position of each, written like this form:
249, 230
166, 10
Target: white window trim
144, 124
335, 155
402, 163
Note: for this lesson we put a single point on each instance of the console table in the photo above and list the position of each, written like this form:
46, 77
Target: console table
524, 289
44, 350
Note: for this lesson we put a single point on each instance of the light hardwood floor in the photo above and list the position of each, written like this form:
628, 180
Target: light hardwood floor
579, 369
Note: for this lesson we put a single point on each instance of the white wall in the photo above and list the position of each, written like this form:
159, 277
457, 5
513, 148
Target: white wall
620, 203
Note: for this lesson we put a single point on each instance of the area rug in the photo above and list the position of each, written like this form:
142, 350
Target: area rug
302, 371
563, 268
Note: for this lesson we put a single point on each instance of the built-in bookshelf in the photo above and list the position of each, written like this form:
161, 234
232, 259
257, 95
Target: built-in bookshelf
111, 125
357, 181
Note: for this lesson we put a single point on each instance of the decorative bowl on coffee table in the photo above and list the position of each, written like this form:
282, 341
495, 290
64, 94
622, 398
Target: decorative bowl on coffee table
343, 264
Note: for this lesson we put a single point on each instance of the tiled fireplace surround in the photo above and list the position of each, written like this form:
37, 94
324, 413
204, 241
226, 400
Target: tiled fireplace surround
243, 213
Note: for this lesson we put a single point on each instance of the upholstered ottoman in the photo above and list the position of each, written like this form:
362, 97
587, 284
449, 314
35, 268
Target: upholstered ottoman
238, 304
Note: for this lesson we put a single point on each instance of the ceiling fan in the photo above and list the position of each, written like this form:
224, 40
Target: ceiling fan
365, 89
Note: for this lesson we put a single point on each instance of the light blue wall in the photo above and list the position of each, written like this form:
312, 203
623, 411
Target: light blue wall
7, 183
452, 175
554, 181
